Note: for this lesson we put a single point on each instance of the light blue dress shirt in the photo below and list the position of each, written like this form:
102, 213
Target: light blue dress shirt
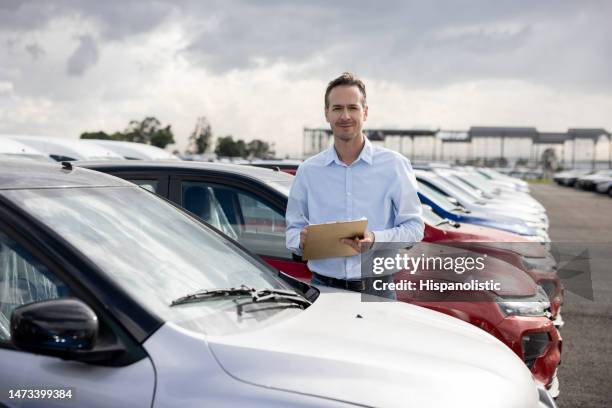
380, 186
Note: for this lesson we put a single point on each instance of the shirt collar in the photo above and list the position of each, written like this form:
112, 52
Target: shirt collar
365, 154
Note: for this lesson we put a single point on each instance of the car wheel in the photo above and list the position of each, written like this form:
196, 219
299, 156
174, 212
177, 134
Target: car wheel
610, 191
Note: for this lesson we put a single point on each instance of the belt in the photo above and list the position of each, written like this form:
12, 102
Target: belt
354, 285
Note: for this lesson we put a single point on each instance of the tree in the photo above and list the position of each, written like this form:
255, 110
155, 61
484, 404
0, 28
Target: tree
260, 149
227, 147
149, 131
162, 137
549, 160
99, 135
201, 137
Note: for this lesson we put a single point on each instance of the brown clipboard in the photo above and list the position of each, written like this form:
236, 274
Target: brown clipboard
323, 240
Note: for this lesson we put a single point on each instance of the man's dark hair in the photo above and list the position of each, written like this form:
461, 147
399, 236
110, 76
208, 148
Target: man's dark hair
346, 79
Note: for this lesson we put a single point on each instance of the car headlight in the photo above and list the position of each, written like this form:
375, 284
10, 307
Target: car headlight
536, 305
547, 264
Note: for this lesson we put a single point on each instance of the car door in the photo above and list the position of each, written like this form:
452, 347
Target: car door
26, 278
256, 221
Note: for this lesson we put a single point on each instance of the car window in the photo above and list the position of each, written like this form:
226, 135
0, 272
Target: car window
256, 224
23, 280
152, 250
150, 185
259, 218
200, 200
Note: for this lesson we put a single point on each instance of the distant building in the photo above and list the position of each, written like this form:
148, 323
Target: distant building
578, 147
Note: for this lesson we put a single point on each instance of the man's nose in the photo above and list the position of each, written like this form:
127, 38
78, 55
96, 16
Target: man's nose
345, 114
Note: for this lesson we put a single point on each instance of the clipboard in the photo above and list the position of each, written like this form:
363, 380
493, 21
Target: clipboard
323, 240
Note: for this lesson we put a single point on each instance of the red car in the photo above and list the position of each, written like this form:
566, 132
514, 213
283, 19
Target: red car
248, 204
531, 257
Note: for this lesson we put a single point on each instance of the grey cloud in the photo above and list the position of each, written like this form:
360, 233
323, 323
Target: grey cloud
417, 43
84, 56
35, 50
115, 20
403, 41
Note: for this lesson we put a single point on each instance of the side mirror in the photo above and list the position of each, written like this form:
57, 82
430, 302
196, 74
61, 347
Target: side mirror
60, 327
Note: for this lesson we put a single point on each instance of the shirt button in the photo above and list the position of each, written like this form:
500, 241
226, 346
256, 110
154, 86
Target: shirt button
348, 194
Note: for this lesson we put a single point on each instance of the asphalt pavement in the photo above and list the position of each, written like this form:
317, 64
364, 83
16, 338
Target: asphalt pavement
584, 220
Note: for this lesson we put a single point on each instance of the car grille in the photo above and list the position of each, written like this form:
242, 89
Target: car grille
534, 345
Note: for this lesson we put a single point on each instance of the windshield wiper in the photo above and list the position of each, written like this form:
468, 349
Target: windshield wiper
447, 221
243, 290
262, 295
266, 295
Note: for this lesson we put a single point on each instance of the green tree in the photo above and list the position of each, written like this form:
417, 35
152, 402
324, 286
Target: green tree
99, 135
149, 131
228, 147
260, 149
201, 137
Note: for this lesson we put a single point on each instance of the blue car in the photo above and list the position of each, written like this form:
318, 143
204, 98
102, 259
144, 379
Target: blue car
447, 209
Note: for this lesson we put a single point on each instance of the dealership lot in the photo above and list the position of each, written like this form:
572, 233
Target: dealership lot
578, 216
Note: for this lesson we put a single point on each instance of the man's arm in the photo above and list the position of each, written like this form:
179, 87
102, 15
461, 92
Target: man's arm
297, 212
409, 225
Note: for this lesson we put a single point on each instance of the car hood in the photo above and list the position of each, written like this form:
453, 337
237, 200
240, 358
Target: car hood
501, 239
497, 205
378, 354
498, 221
594, 177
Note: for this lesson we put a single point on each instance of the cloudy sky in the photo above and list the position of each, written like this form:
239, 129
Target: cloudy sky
258, 69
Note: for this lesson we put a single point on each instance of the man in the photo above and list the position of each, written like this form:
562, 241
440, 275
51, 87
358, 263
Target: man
351, 180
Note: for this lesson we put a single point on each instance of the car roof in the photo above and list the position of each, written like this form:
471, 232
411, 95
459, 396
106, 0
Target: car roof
259, 173
138, 151
34, 175
75, 148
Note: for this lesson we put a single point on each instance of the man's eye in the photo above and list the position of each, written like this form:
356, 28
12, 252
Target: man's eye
335, 109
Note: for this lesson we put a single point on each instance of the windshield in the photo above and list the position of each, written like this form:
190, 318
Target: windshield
153, 250
475, 182
453, 191
438, 198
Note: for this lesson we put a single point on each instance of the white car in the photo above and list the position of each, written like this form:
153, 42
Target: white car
133, 151
604, 185
111, 296
65, 149
13, 150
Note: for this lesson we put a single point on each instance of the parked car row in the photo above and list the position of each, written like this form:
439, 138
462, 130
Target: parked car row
62, 149
119, 297
589, 180
248, 205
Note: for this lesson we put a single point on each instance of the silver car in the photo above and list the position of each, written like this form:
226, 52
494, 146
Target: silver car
111, 296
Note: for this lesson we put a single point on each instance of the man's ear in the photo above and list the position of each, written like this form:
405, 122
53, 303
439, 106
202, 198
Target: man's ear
325, 111
365, 113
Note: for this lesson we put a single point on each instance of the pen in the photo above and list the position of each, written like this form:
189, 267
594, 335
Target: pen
305, 219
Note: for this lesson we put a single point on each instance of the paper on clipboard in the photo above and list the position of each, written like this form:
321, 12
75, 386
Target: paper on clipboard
323, 240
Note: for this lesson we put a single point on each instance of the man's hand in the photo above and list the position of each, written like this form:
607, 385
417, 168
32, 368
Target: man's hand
303, 237
360, 245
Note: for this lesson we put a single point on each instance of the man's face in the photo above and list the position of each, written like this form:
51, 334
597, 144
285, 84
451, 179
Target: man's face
346, 112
